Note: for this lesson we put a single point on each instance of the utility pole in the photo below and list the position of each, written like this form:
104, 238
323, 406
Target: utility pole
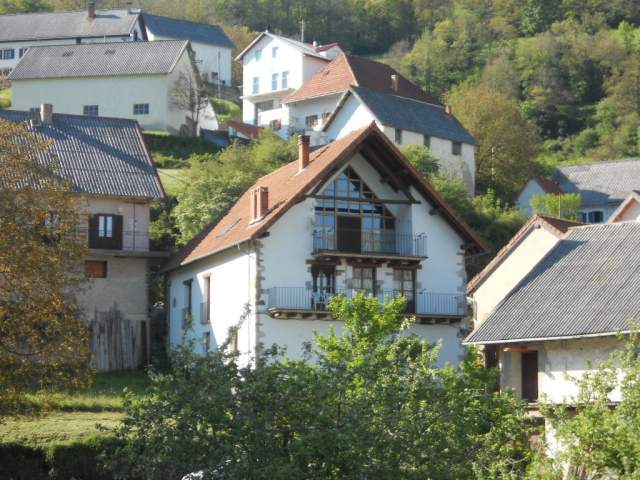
302, 30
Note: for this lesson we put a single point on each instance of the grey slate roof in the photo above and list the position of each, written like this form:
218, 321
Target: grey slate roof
99, 59
185, 30
600, 183
100, 156
587, 285
59, 25
412, 115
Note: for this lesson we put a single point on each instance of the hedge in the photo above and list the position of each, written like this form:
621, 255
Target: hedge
64, 461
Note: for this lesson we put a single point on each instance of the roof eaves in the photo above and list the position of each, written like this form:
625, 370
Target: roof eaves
469, 341
185, 44
634, 196
251, 45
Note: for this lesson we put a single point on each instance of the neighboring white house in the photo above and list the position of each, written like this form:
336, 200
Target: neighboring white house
601, 185
407, 121
351, 216
108, 164
274, 66
135, 80
21, 31
515, 260
211, 46
563, 317
628, 211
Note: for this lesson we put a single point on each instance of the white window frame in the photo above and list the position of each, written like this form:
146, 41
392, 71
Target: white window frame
274, 81
255, 85
141, 109
284, 79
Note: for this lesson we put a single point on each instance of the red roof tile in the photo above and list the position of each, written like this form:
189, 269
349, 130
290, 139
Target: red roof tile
346, 70
246, 129
287, 185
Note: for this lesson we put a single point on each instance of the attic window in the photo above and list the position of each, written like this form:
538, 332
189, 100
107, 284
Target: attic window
68, 53
228, 228
110, 52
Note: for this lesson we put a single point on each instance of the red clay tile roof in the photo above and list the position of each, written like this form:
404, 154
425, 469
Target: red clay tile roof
346, 70
557, 226
249, 131
548, 186
287, 186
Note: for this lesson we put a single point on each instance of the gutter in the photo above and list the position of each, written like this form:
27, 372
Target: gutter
544, 339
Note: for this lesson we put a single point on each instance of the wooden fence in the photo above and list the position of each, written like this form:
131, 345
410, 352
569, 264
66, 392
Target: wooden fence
117, 343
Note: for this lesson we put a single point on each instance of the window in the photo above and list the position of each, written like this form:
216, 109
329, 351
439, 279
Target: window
206, 304
95, 269
105, 231
274, 52
398, 138
206, 342
90, 110
583, 217
264, 106
274, 81
364, 279
256, 85
285, 80
187, 309
22, 51
214, 77
310, 121
404, 284
456, 148
7, 54
596, 216
324, 284
141, 109
257, 55
426, 141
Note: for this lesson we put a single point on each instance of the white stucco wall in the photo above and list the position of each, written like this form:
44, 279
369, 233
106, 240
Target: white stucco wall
233, 276
524, 199
560, 363
518, 263
299, 111
115, 96
354, 115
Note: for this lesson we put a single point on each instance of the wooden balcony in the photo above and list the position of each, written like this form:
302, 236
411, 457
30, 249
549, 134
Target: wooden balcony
385, 244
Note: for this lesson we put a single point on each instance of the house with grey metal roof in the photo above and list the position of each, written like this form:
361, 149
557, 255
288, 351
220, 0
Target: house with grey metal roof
211, 46
111, 170
565, 315
408, 121
602, 186
136, 80
18, 32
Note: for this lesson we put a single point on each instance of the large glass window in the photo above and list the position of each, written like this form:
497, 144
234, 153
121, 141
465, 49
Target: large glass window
404, 284
364, 280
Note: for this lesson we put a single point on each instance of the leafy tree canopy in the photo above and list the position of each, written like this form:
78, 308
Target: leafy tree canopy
566, 205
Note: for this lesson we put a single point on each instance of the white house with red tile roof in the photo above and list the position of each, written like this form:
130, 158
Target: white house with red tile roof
351, 216
274, 66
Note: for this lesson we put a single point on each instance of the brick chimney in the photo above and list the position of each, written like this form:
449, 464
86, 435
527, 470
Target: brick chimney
394, 82
303, 152
46, 113
448, 110
91, 9
259, 203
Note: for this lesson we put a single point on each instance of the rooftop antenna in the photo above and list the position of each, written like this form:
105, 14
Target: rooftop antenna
302, 30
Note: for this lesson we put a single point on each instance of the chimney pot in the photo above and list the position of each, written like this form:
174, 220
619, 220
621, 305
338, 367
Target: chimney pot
91, 7
394, 82
303, 152
46, 113
448, 110
259, 203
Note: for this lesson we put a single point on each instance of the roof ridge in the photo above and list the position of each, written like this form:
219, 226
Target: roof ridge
440, 107
62, 12
604, 162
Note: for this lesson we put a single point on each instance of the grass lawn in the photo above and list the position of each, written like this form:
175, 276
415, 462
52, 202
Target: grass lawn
172, 151
173, 179
5, 98
68, 416
226, 110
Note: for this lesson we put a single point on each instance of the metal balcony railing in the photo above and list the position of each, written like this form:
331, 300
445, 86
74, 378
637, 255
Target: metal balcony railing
423, 303
129, 240
380, 242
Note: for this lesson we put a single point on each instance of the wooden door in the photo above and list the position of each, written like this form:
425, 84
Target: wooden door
349, 233
530, 376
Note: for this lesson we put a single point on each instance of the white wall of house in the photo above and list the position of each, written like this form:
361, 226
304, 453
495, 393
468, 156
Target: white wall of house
523, 202
287, 58
321, 107
233, 277
514, 267
631, 213
560, 362
115, 96
354, 115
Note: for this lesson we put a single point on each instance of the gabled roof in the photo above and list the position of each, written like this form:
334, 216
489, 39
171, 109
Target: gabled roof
632, 200
547, 185
100, 156
61, 25
287, 185
304, 48
246, 129
99, 59
345, 71
556, 226
185, 30
408, 114
587, 286
600, 183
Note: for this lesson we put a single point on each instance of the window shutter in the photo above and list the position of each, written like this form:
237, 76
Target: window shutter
93, 232
117, 232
